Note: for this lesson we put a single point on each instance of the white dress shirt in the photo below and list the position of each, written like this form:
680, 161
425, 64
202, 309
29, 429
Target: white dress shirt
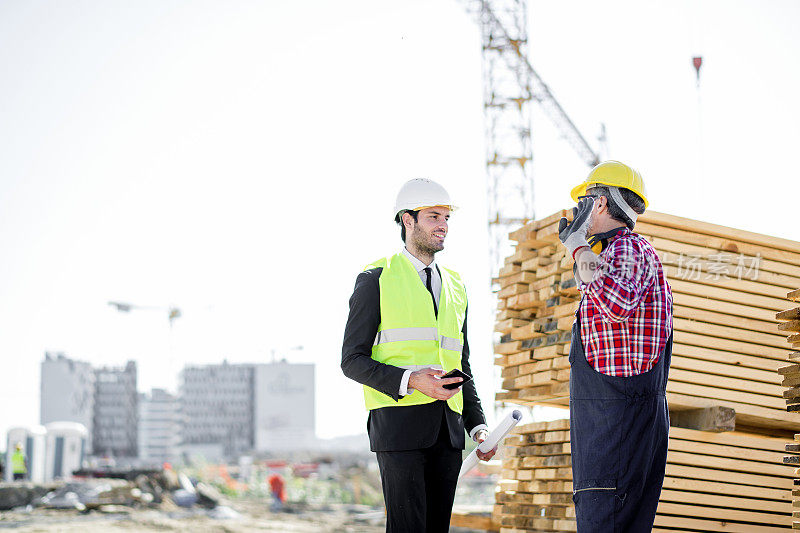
436, 276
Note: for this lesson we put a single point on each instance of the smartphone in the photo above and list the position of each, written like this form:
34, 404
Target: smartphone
456, 373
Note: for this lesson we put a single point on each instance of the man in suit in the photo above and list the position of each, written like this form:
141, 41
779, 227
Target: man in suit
407, 327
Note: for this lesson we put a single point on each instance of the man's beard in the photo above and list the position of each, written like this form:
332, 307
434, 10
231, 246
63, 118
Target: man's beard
424, 242
589, 225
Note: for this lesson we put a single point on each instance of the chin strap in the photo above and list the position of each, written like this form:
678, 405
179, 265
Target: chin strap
622, 204
599, 241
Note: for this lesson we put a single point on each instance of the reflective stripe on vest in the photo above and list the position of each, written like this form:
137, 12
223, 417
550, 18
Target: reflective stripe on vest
418, 334
410, 335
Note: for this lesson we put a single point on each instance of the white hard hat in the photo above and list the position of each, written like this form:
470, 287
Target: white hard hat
420, 193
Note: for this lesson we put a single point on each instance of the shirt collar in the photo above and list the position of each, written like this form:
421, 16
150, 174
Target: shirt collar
624, 231
419, 265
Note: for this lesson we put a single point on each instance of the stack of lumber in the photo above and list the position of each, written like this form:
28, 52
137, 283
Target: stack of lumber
472, 520
714, 482
790, 322
728, 286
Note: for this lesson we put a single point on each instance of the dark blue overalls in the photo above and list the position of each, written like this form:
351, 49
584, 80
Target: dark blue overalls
619, 427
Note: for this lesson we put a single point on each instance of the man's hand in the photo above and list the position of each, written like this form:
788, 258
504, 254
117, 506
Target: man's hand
427, 381
574, 234
480, 436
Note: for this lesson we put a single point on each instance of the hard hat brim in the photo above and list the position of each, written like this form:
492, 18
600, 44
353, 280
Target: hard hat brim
580, 190
452, 208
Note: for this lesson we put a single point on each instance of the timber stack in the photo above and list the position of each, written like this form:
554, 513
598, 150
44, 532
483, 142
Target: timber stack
790, 375
725, 468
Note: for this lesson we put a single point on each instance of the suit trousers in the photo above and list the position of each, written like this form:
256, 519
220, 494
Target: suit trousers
419, 485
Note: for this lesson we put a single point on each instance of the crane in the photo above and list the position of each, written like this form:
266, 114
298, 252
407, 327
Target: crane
510, 85
169, 367
124, 307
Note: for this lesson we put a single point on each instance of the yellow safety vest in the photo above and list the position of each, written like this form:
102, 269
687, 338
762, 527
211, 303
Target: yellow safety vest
18, 463
410, 334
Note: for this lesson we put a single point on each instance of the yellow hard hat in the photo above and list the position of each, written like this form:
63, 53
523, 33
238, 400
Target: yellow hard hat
613, 174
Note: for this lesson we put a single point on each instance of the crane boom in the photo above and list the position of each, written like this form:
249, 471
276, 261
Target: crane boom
539, 91
510, 85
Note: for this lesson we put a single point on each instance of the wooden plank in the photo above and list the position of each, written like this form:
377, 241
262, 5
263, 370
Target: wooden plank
508, 270
725, 476
736, 310
727, 489
710, 367
714, 317
788, 314
697, 524
739, 439
791, 325
513, 290
725, 451
506, 348
789, 369
705, 391
755, 387
729, 345
727, 295
724, 266
743, 335
731, 464
724, 515
708, 419
729, 358
519, 277
552, 426
747, 286
547, 461
473, 521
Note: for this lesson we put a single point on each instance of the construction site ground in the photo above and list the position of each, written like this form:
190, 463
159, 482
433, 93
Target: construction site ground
254, 516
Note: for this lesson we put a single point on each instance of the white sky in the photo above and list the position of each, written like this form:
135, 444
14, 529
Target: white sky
240, 160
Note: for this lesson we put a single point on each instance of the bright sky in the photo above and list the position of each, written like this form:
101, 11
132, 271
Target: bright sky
240, 160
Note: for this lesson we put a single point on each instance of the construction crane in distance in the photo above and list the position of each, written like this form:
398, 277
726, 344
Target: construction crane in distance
172, 311
510, 84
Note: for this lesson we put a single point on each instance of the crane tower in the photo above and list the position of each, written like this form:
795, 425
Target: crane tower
510, 86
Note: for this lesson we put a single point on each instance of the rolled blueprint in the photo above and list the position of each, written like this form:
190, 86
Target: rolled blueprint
497, 434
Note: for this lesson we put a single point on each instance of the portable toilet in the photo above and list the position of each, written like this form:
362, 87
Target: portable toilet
66, 446
32, 439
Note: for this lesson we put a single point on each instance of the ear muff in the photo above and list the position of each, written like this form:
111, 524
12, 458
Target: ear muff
599, 241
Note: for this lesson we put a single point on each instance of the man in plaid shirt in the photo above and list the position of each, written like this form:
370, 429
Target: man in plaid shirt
626, 315
620, 355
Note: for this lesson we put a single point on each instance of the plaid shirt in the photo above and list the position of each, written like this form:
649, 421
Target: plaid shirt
626, 310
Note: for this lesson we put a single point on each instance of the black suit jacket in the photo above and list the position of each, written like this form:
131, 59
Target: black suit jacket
398, 428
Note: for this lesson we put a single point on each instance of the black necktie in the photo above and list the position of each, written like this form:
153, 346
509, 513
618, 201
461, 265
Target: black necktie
430, 289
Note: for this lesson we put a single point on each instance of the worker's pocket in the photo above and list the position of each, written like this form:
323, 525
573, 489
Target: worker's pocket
596, 505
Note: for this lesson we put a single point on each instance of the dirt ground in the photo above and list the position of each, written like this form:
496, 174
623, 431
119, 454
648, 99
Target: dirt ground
255, 516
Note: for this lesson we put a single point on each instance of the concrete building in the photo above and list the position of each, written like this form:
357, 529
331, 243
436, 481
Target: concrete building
67, 392
159, 427
284, 407
116, 414
216, 405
